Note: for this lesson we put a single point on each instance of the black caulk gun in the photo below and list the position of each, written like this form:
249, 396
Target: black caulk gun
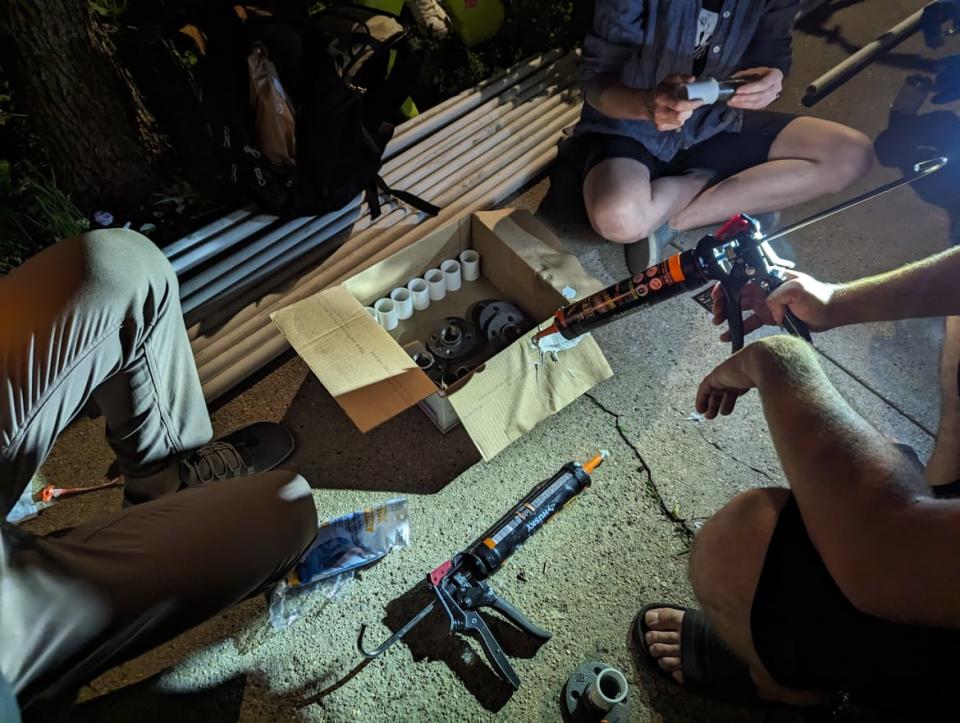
736, 255
460, 584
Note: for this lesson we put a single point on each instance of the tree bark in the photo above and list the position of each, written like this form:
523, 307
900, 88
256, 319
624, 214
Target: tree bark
99, 137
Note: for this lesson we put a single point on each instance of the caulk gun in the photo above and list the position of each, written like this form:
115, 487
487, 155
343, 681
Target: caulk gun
736, 255
460, 584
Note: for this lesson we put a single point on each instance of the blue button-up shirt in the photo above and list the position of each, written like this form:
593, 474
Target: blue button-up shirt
641, 42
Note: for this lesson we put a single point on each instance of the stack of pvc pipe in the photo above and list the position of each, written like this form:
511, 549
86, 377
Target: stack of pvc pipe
466, 154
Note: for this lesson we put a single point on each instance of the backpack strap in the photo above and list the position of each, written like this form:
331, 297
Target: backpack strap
408, 198
373, 199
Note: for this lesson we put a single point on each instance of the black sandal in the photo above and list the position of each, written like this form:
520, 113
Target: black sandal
707, 664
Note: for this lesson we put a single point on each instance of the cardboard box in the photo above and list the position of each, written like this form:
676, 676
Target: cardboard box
373, 378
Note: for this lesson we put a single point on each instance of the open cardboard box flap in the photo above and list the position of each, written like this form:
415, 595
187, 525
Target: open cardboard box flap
374, 379
371, 377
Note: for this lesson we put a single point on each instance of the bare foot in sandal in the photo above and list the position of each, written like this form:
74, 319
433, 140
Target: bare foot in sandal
663, 639
685, 648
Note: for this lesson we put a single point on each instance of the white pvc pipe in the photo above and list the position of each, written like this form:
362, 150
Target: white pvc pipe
251, 247
470, 265
608, 689
387, 314
436, 284
201, 234
212, 247
451, 274
427, 122
451, 189
236, 344
271, 343
421, 293
402, 297
250, 273
393, 172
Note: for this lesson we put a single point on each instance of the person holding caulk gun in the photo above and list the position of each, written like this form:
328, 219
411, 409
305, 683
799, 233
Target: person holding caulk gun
654, 165
849, 580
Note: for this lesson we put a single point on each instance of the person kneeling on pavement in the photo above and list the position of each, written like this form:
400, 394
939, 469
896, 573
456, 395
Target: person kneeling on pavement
93, 324
846, 581
652, 166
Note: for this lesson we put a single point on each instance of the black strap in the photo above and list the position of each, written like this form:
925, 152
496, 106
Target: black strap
708, 664
408, 198
373, 199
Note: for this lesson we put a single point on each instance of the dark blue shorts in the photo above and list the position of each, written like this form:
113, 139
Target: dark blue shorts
727, 154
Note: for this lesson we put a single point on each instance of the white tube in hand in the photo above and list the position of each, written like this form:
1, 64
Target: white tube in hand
421, 294
470, 265
435, 283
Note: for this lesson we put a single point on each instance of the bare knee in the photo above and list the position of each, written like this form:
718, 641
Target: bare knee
847, 157
616, 193
727, 557
619, 218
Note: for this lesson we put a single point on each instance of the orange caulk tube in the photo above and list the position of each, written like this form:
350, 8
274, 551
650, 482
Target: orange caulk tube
673, 276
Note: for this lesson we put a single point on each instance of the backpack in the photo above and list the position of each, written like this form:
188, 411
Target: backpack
338, 137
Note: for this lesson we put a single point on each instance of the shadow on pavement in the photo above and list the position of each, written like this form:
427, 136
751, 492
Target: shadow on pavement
407, 454
145, 702
432, 640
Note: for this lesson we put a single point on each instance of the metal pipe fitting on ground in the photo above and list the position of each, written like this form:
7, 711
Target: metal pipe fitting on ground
596, 691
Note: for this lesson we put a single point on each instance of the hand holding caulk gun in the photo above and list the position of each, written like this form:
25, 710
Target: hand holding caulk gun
737, 257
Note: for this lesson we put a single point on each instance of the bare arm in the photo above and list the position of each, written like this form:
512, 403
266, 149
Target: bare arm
929, 287
887, 542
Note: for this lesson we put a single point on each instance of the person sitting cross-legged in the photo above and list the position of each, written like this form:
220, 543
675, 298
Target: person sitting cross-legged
654, 166
94, 323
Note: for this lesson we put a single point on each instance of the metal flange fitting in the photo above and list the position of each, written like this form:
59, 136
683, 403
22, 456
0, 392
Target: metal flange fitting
456, 339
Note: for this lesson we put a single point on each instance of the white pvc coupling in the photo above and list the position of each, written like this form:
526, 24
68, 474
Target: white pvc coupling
608, 689
373, 312
420, 292
435, 284
387, 314
470, 265
451, 274
404, 301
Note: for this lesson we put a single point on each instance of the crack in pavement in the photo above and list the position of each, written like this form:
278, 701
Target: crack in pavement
763, 473
680, 524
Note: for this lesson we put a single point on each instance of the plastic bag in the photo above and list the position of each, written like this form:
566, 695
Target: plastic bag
275, 122
343, 545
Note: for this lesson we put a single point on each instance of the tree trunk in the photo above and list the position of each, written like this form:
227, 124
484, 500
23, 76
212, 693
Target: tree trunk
99, 137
